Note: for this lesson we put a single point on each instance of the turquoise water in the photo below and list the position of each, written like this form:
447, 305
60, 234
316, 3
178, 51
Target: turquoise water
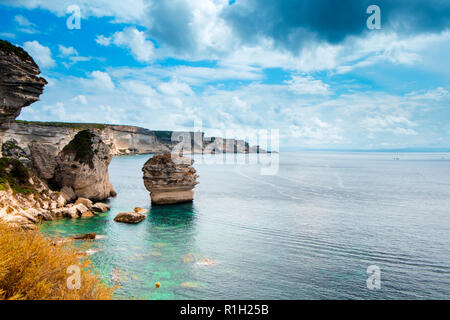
309, 232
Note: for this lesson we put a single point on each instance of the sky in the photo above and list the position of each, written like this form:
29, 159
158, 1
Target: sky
311, 69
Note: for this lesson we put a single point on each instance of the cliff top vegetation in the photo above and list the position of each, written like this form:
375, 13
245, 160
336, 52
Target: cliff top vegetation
71, 125
81, 146
8, 47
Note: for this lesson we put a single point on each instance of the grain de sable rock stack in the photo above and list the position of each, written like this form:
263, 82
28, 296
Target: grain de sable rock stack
170, 182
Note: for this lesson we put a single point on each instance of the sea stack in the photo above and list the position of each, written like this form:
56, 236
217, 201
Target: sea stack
83, 167
170, 182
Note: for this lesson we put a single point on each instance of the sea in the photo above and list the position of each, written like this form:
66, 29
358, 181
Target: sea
318, 225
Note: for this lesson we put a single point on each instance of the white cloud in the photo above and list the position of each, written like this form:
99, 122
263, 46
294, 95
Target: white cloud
133, 39
25, 25
121, 10
100, 80
40, 53
67, 51
23, 21
307, 85
7, 35
102, 40
80, 99
174, 88
403, 131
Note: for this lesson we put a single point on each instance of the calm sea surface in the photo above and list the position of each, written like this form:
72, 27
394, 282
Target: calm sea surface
309, 232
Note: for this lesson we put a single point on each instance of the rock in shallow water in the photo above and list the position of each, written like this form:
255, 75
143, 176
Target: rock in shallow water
87, 236
170, 181
100, 207
130, 217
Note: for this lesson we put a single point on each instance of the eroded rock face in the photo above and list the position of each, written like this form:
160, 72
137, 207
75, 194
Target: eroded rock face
20, 85
170, 182
83, 166
43, 159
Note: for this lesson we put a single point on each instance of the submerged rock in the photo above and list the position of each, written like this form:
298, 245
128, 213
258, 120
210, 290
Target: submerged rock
130, 217
170, 182
83, 166
87, 236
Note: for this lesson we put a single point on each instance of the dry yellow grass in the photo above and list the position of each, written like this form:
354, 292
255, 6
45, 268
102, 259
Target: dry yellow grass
34, 268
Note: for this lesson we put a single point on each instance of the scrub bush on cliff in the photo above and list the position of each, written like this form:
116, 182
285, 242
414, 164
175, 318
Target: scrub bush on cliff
35, 268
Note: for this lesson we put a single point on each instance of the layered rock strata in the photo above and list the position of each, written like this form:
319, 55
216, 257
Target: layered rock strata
169, 182
122, 140
20, 85
82, 165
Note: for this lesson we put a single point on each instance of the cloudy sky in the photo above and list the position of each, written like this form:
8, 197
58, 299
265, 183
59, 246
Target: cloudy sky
310, 68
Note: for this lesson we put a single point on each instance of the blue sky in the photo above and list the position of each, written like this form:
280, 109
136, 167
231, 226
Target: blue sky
311, 69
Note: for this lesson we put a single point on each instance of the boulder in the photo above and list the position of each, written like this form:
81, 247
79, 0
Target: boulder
61, 201
87, 236
83, 166
86, 202
20, 85
87, 214
71, 213
76, 211
140, 210
170, 181
130, 217
43, 159
100, 207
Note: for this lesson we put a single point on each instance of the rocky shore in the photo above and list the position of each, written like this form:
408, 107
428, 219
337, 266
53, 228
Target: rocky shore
43, 180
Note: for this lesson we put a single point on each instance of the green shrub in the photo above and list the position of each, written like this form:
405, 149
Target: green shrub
14, 174
81, 146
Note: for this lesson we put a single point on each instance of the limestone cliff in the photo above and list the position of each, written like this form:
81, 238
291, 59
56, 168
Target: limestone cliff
20, 85
122, 140
170, 181
82, 165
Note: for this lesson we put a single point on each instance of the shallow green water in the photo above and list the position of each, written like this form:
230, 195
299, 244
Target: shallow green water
309, 232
